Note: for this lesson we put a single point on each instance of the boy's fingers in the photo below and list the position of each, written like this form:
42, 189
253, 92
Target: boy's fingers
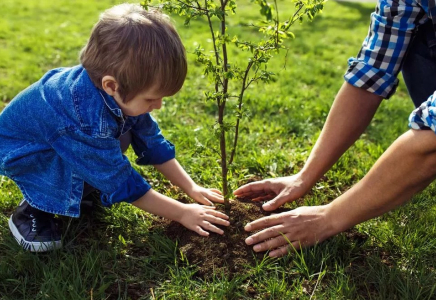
216, 191
211, 227
218, 214
212, 208
217, 220
208, 202
205, 201
216, 198
200, 231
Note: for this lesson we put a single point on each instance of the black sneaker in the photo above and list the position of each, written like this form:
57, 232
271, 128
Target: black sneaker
35, 230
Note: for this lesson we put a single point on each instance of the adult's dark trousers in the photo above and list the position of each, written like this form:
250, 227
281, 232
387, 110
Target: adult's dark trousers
419, 66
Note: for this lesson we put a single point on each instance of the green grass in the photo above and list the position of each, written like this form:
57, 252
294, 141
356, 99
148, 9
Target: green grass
113, 253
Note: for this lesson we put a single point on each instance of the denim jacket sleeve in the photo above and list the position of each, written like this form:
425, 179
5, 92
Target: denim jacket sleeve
100, 162
149, 144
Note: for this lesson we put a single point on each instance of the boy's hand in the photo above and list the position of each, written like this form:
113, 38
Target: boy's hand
200, 218
205, 196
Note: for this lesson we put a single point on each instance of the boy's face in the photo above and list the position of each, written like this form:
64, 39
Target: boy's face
142, 103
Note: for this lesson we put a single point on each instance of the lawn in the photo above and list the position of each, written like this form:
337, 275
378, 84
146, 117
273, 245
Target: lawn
116, 253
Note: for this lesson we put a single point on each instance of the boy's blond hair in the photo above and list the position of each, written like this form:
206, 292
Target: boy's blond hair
140, 49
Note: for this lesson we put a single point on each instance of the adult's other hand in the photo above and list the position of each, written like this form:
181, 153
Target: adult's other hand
301, 227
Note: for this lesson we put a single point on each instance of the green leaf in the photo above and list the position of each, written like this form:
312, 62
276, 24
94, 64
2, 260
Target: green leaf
122, 240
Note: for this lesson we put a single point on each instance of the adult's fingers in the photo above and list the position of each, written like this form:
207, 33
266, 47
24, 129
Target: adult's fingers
251, 196
252, 188
279, 246
276, 202
280, 251
266, 239
277, 241
293, 246
263, 197
263, 222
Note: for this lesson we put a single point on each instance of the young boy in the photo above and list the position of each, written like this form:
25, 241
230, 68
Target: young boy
63, 133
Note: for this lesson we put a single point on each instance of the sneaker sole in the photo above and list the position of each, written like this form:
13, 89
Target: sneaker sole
32, 246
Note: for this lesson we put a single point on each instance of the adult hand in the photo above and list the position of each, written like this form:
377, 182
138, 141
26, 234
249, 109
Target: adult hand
301, 227
200, 218
278, 191
205, 196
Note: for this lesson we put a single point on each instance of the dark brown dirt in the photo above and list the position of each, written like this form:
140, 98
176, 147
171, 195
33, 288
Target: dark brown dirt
217, 254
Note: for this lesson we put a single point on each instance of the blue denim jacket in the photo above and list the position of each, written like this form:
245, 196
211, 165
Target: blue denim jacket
62, 131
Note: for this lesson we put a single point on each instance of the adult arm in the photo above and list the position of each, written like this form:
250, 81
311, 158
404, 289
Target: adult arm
349, 116
407, 167
371, 76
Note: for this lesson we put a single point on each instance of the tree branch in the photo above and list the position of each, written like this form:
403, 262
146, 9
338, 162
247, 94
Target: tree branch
209, 21
241, 96
193, 7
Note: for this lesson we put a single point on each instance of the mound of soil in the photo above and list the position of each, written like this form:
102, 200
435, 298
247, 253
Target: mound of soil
217, 254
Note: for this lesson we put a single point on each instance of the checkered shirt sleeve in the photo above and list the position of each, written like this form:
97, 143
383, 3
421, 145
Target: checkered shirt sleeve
377, 65
424, 117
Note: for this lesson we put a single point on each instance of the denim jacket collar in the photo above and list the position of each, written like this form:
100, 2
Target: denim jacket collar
82, 87
111, 104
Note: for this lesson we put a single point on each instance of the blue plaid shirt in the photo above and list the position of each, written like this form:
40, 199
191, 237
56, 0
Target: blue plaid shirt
391, 29
375, 69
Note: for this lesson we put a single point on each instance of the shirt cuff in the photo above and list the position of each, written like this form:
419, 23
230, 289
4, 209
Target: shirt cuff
424, 117
376, 81
131, 190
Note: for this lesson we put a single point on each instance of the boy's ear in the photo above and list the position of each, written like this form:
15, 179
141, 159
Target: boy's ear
109, 84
